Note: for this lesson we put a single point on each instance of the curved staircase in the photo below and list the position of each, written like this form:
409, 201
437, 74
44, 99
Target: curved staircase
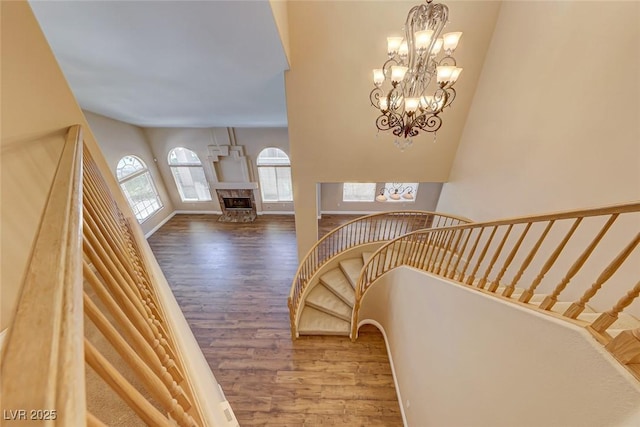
328, 307
322, 295
498, 258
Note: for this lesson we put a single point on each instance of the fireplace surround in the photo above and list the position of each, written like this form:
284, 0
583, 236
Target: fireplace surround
237, 205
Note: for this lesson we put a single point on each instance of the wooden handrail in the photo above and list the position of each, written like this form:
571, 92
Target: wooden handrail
43, 366
372, 228
87, 261
410, 250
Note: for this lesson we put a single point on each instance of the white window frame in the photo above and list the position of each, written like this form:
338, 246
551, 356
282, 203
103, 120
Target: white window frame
195, 165
370, 188
280, 163
141, 212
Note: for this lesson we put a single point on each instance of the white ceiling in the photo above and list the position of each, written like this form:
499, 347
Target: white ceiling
173, 63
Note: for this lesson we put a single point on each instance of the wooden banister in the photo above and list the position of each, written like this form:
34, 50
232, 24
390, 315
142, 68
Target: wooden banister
470, 245
85, 239
43, 367
379, 227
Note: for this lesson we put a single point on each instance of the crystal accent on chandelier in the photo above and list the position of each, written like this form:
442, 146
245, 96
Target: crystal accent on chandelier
416, 83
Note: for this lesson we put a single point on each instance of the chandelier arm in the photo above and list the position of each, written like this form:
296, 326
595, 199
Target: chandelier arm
374, 97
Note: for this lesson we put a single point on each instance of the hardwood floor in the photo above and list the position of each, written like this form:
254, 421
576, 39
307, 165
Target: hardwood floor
232, 281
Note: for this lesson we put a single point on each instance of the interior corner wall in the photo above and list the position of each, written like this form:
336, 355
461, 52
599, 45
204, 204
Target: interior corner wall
118, 139
554, 122
426, 200
462, 358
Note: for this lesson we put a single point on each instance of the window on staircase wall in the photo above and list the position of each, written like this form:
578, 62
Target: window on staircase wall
189, 176
358, 191
274, 171
138, 187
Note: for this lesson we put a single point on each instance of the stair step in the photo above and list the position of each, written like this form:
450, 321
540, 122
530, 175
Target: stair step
615, 332
538, 298
625, 321
351, 268
323, 299
366, 256
337, 282
515, 295
561, 306
316, 322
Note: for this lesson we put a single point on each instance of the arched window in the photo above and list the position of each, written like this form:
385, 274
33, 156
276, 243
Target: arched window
138, 187
188, 173
274, 170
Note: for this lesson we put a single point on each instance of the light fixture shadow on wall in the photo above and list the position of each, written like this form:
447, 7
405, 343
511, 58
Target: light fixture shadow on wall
396, 192
416, 83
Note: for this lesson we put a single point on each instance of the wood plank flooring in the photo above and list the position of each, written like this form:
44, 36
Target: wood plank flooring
232, 282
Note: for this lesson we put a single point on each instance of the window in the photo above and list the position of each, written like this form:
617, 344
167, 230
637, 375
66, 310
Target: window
358, 192
274, 170
188, 173
137, 186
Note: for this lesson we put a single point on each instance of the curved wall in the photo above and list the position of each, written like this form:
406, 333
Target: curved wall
462, 358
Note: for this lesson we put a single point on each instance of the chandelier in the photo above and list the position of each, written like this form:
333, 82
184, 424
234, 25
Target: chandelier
416, 83
395, 191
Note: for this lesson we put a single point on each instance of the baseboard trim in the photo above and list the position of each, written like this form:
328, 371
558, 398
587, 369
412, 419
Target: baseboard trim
198, 212
157, 227
276, 213
350, 212
393, 370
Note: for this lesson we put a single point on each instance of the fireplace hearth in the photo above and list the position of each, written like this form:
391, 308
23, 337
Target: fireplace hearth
237, 205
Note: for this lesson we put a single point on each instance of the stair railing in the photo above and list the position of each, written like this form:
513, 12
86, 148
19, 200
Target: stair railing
372, 228
43, 361
483, 256
88, 260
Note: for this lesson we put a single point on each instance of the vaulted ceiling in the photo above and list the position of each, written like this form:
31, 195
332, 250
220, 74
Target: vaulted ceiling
222, 63
171, 63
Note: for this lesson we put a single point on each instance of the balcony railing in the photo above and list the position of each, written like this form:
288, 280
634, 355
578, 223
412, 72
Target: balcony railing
373, 228
92, 307
504, 258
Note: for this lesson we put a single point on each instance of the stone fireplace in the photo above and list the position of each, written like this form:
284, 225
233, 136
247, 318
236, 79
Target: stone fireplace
238, 205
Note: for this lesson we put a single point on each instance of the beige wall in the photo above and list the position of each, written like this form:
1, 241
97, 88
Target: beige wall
118, 139
280, 16
428, 193
163, 140
554, 123
549, 129
37, 108
461, 358
331, 123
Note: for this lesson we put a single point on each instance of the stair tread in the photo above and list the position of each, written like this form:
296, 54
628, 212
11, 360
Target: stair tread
366, 256
352, 267
336, 282
561, 306
323, 299
625, 321
316, 322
